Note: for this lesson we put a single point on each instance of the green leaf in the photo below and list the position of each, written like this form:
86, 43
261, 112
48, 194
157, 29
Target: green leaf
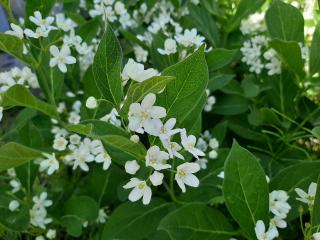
230, 105
218, 81
285, 22
314, 63
202, 19
89, 29
220, 57
137, 91
293, 177
244, 9
18, 220
13, 155
196, 221
290, 54
18, 95
134, 221
13, 46
182, 95
73, 225
107, 68
245, 189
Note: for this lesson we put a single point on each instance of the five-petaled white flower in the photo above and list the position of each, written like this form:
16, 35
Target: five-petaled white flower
16, 31
61, 58
140, 190
184, 175
42, 201
157, 159
50, 164
145, 116
165, 131
189, 143
104, 158
44, 23
262, 234
173, 148
135, 71
307, 197
278, 203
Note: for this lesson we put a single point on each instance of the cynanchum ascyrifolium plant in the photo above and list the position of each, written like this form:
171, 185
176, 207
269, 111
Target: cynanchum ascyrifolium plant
161, 120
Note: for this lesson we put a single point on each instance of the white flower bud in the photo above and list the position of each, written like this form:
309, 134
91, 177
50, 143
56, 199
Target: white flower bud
14, 205
213, 154
131, 167
135, 138
213, 143
91, 103
211, 100
207, 108
51, 234
60, 144
156, 178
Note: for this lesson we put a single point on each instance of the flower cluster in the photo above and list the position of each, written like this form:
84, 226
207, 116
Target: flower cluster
209, 145
144, 117
279, 207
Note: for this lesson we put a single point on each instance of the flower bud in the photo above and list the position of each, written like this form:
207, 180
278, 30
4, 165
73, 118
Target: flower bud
91, 103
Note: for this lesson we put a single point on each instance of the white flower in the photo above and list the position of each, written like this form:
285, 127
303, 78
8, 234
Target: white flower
63, 23
261, 233
112, 117
221, 175
16, 185
60, 143
189, 142
14, 205
44, 23
157, 159
132, 167
50, 164
61, 58
1, 113
170, 47
135, 71
42, 201
91, 102
135, 138
102, 217
173, 148
119, 8
16, 31
75, 139
316, 236
278, 203
51, 234
184, 175
277, 222
104, 158
140, 54
307, 197
202, 163
40, 238
38, 217
145, 116
140, 190
156, 178
189, 38
165, 131
81, 157
40, 32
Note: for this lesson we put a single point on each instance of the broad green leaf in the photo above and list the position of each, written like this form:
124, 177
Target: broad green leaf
245, 189
107, 68
314, 63
219, 57
316, 132
134, 221
290, 54
13, 155
285, 22
123, 144
230, 105
96, 129
13, 46
18, 220
183, 94
218, 81
316, 208
196, 221
202, 19
137, 91
244, 9
295, 176
77, 210
18, 95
